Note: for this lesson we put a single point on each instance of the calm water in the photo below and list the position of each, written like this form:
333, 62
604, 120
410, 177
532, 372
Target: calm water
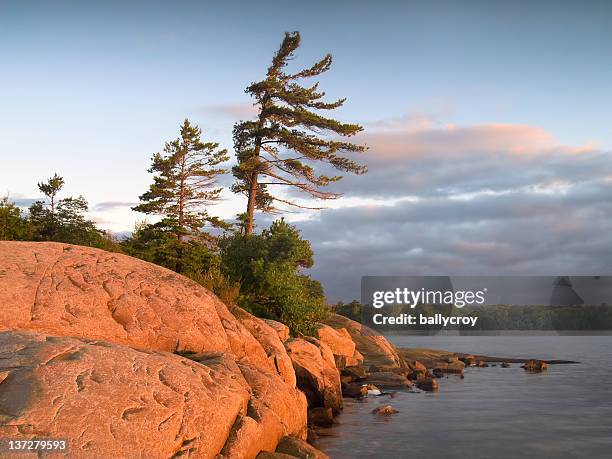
494, 412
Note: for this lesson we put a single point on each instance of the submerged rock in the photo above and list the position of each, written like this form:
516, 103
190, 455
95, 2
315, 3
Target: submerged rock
535, 366
428, 384
468, 360
385, 410
438, 373
354, 390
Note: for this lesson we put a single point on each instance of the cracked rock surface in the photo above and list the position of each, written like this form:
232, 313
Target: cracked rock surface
68, 290
127, 359
110, 399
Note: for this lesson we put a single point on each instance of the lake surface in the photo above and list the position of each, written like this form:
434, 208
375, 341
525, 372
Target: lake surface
494, 412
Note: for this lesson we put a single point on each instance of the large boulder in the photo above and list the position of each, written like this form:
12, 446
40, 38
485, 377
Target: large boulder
69, 314
374, 348
428, 384
354, 390
316, 372
356, 373
269, 339
319, 416
274, 410
339, 341
68, 290
388, 379
281, 329
109, 400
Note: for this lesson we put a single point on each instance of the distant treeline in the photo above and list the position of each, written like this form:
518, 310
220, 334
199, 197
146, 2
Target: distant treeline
495, 317
517, 317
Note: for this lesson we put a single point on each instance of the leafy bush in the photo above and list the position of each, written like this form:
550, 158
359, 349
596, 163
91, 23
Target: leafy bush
13, 225
268, 268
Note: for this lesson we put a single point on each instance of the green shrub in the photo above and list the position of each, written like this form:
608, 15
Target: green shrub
268, 268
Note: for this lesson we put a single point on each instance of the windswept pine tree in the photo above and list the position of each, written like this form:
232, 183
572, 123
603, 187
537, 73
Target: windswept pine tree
290, 136
184, 180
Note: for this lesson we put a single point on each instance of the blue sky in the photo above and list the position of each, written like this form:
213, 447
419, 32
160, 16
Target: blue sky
93, 90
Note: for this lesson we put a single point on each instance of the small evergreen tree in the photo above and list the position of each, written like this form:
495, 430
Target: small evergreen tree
289, 136
64, 220
183, 183
50, 189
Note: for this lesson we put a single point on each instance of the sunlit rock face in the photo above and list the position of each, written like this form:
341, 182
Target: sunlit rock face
375, 348
127, 359
68, 290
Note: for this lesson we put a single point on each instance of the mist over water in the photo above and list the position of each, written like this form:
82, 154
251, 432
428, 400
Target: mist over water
493, 412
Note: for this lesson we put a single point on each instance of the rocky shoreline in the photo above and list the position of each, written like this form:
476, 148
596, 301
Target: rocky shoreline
124, 358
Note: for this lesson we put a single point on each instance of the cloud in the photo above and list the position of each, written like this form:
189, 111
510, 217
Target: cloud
416, 137
236, 111
486, 199
513, 234
450, 140
111, 205
442, 160
23, 202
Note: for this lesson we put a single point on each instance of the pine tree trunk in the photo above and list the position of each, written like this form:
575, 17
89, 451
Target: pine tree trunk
181, 201
52, 229
251, 204
253, 185
181, 217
